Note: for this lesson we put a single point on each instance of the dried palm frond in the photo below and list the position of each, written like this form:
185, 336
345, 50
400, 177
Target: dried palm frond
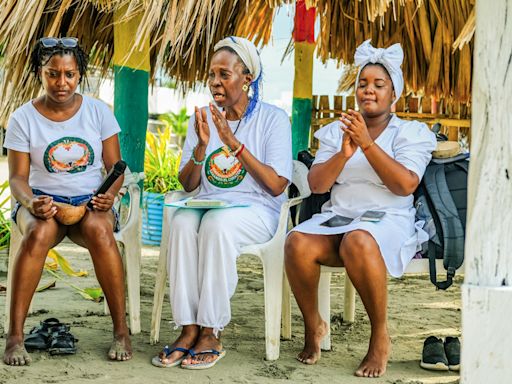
426, 30
181, 34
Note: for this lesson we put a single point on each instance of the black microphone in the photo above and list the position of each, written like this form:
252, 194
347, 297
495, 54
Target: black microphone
116, 171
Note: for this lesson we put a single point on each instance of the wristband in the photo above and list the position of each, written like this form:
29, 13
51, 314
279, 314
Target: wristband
240, 150
193, 158
237, 151
368, 146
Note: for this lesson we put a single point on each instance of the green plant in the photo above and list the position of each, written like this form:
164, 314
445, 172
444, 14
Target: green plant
161, 163
5, 223
178, 122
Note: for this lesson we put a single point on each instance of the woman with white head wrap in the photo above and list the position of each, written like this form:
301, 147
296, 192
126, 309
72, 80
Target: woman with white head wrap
370, 161
237, 150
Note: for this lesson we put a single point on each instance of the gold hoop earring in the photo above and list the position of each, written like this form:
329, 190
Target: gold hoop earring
245, 87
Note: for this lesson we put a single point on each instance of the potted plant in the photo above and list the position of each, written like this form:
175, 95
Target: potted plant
5, 227
161, 167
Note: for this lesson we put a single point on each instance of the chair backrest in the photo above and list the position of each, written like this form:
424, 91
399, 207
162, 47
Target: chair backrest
300, 178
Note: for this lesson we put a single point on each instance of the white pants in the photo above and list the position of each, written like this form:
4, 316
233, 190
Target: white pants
203, 248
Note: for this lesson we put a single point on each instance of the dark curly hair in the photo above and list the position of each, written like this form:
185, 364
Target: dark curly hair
41, 55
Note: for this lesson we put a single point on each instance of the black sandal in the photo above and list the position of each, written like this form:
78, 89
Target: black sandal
39, 338
62, 342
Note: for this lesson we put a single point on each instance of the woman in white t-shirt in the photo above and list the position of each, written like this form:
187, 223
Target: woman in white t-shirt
370, 161
239, 151
57, 145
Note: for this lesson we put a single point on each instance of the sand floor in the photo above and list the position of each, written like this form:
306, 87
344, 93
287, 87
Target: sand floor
416, 310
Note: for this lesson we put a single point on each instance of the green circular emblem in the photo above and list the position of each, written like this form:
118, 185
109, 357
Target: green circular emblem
224, 170
68, 154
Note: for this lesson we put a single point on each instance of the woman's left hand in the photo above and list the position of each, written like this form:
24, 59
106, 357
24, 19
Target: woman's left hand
225, 133
356, 128
103, 202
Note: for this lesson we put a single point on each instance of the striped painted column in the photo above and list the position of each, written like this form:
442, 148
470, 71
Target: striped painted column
131, 80
304, 38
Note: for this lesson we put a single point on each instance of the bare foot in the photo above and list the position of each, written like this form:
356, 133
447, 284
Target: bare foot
15, 352
206, 341
121, 348
375, 362
312, 339
186, 340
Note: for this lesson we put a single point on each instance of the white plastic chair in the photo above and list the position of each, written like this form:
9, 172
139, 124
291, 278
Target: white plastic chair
129, 239
271, 254
324, 297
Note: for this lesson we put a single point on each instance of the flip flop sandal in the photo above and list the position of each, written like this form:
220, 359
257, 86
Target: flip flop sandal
219, 355
39, 337
157, 361
433, 355
62, 343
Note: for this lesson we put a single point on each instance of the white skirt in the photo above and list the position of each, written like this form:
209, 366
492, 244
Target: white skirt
398, 237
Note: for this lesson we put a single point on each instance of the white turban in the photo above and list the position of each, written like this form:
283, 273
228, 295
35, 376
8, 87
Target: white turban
391, 58
246, 50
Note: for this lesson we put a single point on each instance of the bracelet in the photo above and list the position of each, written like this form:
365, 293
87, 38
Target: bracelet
237, 151
368, 146
240, 150
193, 158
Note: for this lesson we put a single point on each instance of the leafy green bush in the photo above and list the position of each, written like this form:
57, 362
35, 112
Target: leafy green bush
5, 223
178, 122
161, 163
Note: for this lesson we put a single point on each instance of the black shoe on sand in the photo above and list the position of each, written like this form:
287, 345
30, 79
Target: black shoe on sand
433, 356
452, 351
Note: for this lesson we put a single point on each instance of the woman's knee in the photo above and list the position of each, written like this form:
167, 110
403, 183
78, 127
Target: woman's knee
41, 233
183, 224
357, 245
98, 229
296, 245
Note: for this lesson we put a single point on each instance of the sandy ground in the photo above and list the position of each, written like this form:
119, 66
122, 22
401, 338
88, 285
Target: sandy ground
416, 310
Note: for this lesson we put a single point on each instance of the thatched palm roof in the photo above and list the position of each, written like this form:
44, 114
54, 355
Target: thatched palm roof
436, 37
182, 34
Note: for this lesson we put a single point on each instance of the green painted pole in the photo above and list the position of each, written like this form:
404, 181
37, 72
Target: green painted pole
131, 81
304, 37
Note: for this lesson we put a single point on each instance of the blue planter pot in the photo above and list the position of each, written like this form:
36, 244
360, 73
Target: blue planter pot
152, 215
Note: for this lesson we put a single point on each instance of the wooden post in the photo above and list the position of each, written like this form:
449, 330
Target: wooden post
131, 83
304, 37
487, 289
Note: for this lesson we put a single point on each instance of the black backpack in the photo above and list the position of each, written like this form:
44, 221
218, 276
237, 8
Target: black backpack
441, 201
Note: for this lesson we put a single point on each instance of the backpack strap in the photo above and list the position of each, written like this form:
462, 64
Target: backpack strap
453, 232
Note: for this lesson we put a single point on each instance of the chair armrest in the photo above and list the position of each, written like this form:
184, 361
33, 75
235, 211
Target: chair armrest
133, 216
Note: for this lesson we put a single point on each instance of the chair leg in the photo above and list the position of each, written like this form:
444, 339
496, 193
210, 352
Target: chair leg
273, 271
350, 301
132, 265
286, 315
159, 292
324, 307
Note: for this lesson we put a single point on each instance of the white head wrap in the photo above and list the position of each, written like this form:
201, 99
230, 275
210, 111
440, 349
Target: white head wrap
391, 58
247, 52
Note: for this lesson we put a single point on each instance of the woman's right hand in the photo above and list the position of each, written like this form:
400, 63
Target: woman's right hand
201, 127
42, 207
348, 146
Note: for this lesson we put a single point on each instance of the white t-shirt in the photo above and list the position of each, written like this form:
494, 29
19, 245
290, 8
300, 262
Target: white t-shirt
65, 157
267, 135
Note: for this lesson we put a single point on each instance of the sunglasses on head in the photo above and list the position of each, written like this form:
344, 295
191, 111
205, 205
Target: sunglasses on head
66, 42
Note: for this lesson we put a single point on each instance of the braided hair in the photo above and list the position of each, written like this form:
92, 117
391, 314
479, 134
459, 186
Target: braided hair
41, 55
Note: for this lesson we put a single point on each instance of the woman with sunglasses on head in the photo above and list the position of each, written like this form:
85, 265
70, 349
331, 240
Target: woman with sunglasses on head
237, 150
57, 146
369, 161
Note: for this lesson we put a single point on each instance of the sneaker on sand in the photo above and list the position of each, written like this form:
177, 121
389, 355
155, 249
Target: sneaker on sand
433, 356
